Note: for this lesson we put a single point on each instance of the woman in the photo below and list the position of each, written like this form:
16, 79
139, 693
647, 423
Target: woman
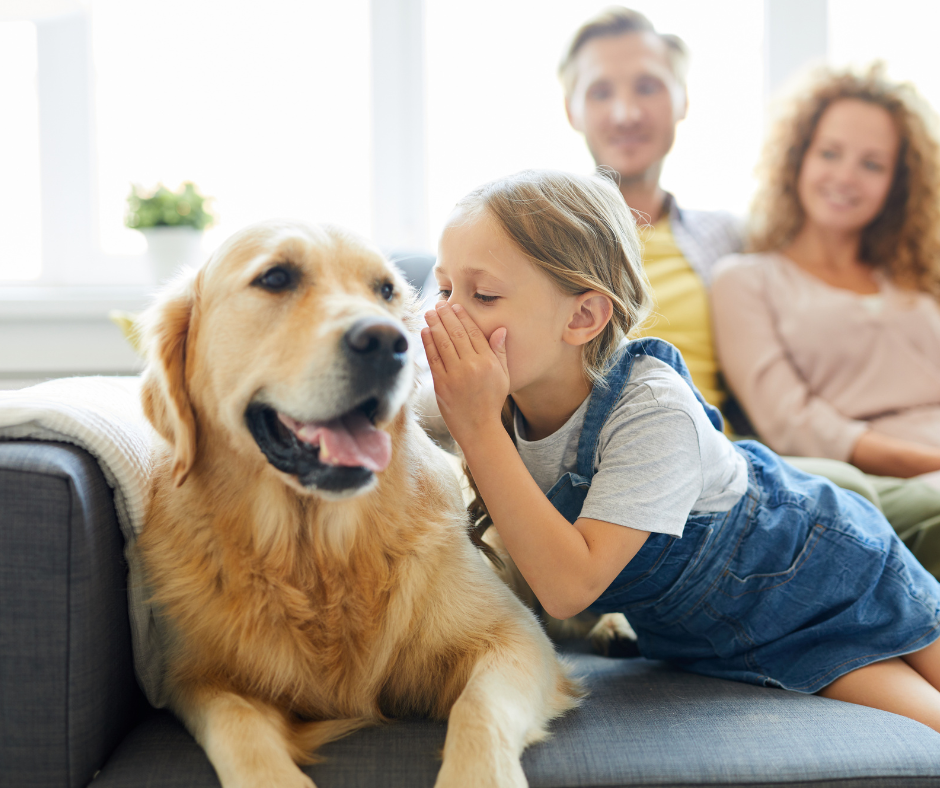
829, 331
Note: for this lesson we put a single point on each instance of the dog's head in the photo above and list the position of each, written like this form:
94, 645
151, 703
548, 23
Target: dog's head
291, 343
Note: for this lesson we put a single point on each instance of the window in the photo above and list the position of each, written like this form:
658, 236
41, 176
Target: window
266, 110
269, 109
20, 253
904, 37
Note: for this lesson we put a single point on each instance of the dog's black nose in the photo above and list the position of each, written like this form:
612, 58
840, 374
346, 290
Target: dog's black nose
375, 337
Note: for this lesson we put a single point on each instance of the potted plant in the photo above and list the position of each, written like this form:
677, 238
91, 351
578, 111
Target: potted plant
172, 223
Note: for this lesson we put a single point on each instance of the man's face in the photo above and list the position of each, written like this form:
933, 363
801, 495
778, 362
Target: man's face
626, 101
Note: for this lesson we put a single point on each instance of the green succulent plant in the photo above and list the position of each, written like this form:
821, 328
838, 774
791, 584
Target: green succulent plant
160, 207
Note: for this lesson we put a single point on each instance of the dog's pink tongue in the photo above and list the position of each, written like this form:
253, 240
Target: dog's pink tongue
351, 441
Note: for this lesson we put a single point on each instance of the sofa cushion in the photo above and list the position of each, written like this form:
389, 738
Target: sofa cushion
644, 724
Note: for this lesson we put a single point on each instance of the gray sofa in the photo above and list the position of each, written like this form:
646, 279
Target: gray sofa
72, 713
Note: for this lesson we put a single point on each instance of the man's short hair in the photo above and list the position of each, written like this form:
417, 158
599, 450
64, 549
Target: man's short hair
616, 21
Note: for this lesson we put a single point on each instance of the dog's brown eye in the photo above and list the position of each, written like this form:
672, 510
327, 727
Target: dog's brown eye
388, 291
277, 279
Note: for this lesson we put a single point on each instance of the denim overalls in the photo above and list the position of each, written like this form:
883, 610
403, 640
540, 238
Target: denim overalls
799, 583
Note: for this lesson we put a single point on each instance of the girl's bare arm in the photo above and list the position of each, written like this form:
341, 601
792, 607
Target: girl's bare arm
567, 566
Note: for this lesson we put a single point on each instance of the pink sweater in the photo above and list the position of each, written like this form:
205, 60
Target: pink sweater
815, 366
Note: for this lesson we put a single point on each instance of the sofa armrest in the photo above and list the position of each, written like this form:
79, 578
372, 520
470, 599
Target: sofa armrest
67, 689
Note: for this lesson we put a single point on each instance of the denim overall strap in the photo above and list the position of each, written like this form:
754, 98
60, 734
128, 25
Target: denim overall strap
569, 492
604, 399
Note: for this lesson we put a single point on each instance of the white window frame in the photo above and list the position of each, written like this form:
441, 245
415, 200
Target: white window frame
399, 134
66, 146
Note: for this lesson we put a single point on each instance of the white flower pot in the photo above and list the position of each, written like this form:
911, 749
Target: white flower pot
171, 248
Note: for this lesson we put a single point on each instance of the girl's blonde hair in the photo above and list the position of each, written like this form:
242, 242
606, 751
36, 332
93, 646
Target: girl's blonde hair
904, 238
579, 232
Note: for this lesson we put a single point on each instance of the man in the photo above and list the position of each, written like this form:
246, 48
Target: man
625, 91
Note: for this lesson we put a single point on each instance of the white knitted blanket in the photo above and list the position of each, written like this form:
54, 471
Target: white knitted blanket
103, 416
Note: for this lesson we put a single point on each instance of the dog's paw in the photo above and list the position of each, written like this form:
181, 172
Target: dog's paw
612, 636
483, 775
288, 780
306, 783
268, 778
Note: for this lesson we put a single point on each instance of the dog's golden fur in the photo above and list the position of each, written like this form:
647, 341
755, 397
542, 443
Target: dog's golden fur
299, 614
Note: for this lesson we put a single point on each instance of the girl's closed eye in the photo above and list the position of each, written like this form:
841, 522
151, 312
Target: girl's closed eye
486, 299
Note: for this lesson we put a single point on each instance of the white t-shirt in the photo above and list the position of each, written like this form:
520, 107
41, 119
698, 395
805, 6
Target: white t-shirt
658, 460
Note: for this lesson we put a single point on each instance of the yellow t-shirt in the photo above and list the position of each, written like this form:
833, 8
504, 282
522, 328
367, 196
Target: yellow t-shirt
681, 313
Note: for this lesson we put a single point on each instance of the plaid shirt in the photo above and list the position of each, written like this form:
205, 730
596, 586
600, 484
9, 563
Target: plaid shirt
704, 237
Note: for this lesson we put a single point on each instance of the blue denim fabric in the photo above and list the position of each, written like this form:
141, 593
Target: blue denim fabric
798, 584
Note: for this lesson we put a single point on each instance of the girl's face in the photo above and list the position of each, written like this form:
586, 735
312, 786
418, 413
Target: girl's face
849, 166
481, 269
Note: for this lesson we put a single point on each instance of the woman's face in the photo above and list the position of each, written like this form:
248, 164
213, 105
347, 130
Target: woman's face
849, 166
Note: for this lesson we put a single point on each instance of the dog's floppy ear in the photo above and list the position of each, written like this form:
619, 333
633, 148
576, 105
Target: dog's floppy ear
166, 328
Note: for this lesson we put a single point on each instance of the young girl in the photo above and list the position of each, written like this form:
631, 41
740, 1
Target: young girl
616, 489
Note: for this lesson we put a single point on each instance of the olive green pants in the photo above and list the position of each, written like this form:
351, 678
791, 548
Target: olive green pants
912, 507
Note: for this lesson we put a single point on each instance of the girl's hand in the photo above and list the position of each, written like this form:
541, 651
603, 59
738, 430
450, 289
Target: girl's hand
471, 376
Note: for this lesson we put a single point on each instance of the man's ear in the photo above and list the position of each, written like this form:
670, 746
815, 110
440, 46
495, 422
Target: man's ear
574, 119
164, 395
592, 312
682, 104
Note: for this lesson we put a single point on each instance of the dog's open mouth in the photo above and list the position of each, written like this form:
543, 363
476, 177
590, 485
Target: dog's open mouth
337, 454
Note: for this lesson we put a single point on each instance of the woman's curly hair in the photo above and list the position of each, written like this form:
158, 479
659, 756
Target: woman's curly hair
904, 238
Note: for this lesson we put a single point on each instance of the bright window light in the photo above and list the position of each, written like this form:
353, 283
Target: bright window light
711, 166
264, 106
20, 242
861, 31
495, 105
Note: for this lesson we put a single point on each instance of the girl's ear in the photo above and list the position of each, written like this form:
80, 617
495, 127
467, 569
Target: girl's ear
164, 395
592, 312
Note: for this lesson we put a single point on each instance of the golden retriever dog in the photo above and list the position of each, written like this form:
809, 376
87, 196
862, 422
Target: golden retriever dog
306, 543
